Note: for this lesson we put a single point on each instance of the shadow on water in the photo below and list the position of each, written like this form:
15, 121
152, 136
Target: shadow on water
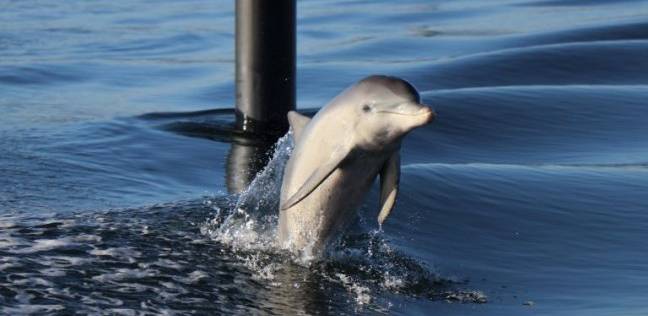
247, 155
249, 152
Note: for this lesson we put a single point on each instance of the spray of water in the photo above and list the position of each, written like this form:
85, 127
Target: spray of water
249, 221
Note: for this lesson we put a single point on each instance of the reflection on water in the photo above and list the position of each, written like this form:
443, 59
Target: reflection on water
243, 162
248, 152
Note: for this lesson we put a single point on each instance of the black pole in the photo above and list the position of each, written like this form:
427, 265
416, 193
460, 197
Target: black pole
265, 64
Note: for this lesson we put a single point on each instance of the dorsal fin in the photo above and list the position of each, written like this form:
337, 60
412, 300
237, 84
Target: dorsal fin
297, 122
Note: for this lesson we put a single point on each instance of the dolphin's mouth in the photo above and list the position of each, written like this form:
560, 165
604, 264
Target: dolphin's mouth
425, 110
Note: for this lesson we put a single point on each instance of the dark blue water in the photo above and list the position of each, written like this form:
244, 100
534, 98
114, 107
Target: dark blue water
527, 196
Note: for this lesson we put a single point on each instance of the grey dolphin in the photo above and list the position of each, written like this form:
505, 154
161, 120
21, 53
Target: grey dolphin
337, 156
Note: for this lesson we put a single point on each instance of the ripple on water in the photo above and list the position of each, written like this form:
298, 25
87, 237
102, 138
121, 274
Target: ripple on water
587, 63
574, 124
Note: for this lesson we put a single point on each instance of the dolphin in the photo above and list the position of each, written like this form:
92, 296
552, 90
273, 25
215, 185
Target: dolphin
337, 156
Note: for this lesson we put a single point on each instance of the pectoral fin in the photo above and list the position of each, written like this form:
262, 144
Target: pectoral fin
297, 123
389, 178
318, 176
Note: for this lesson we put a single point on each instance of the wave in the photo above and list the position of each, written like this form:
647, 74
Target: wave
633, 167
588, 63
576, 124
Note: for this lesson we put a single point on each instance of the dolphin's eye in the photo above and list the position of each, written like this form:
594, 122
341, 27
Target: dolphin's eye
366, 108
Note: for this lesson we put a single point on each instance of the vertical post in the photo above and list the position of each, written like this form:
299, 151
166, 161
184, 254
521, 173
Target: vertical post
265, 64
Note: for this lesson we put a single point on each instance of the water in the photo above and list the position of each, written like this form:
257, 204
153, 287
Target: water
527, 196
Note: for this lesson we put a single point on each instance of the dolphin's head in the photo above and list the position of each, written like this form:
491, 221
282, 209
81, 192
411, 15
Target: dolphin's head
387, 108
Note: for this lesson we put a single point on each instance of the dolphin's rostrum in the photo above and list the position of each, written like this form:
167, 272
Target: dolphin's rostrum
338, 154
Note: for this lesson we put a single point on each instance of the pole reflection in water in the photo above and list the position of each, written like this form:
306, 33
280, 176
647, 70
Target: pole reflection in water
249, 151
244, 160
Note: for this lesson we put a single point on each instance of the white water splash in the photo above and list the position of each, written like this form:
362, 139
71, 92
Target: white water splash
362, 294
251, 222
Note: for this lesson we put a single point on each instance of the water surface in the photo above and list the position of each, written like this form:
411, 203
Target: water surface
527, 196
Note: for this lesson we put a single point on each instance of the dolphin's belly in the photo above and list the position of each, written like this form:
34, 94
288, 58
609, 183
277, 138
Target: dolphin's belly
330, 208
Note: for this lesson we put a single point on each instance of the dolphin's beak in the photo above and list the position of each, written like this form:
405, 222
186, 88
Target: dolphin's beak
415, 113
422, 113
427, 113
